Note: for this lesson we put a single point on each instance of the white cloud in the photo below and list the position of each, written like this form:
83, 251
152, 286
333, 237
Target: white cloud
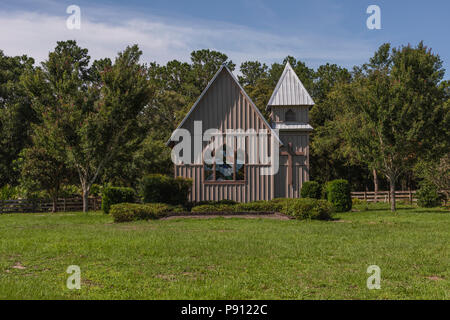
161, 40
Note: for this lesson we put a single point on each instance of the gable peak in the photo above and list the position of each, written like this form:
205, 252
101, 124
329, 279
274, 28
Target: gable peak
289, 90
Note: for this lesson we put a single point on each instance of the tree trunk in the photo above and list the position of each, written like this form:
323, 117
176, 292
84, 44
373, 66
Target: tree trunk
85, 199
375, 185
54, 201
392, 192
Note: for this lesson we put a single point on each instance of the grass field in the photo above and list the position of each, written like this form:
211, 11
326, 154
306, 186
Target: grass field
227, 258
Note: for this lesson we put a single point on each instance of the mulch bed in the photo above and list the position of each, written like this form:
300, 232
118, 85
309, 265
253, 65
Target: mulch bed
246, 215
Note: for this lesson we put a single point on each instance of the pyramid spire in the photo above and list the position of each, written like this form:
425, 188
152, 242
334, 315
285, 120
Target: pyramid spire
290, 91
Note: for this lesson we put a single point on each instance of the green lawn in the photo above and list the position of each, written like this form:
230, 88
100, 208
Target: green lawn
226, 258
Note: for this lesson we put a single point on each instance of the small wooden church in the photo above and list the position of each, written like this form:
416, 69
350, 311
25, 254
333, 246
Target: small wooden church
224, 105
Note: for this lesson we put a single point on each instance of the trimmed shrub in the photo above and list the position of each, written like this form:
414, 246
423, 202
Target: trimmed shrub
114, 195
214, 208
338, 193
190, 205
231, 206
125, 212
158, 188
311, 189
308, 208
428, 196
259, 206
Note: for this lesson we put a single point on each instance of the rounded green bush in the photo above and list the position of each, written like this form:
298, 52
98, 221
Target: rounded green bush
338, 193
114, 195
308, 208
428, 196
158, 188
125, 212
311, 189
259, 206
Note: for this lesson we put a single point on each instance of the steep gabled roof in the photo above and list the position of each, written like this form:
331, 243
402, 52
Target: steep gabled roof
290, 91
224, 67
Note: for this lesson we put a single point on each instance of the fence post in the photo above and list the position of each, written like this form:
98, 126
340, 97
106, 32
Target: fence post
410, 196
365, 195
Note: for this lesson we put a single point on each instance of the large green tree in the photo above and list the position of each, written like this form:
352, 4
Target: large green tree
16, 114
43, 166
93, 110
400, 101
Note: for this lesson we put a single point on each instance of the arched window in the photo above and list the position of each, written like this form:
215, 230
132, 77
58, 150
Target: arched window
231, 167
289, 116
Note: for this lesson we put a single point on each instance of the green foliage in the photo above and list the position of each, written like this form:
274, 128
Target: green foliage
214, 208
205, 64
114, 195
305, 208
231, 206
8, 192
16, 115
92, 109
43, 168
308, 208
311, 189
96, 190
164, 189
428, 196
125, 212
260, 206
69, 191
436, 172
338, 193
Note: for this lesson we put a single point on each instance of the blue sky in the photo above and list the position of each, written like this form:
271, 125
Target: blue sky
316, 31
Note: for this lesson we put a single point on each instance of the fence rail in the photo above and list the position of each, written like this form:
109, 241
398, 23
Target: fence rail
36, 205
385, 196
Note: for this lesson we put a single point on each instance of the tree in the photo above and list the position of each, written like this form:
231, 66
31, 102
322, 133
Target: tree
93, 110
252, 71
152, 156
205, 64
16, 114
43, 165
436, 173
400, 102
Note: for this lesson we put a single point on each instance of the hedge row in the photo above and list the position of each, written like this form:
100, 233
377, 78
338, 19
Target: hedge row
304, 208
125, 212
297, 208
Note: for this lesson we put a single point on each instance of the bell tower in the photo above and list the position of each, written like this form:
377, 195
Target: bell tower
289, 106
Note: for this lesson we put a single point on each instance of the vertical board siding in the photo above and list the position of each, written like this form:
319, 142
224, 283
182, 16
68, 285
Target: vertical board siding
224, 106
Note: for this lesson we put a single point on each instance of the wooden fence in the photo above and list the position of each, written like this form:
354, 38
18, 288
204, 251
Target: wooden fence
385, 196
35, 205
